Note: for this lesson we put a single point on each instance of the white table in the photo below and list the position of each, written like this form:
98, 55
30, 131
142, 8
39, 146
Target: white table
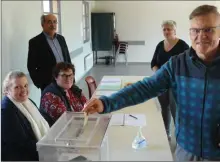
121, 137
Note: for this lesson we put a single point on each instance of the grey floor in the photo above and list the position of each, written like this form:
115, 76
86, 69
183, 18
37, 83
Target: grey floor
137, 69
98, 71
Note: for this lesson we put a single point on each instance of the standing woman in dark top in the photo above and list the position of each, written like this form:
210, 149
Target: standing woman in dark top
165, 49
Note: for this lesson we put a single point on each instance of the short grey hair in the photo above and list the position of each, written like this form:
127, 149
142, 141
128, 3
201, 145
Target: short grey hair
169, 22
11, 75
42, 19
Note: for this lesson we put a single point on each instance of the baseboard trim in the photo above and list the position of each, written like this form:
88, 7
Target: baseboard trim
136, 42
139, 63
76, 52
129, 63
134, 63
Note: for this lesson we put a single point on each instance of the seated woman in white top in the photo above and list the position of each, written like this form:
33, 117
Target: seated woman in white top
21, 123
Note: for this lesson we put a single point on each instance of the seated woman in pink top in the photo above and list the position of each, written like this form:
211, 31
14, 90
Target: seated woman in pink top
62, 94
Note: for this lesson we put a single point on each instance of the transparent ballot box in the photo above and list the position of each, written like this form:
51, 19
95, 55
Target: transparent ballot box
69, 140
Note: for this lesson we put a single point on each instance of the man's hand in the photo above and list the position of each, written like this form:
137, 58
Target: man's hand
155, 68
92, 106
127, 84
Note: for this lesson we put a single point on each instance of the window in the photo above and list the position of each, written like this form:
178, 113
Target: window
86, 24
53, 7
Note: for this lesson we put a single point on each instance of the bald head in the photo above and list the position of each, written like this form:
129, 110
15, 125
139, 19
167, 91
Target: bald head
49, 24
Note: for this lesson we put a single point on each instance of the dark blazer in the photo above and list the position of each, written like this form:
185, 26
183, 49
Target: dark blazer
18, 141
41, 59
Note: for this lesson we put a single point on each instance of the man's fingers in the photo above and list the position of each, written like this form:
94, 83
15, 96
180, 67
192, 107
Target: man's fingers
87, 105
93, 106
92, 111
90, 103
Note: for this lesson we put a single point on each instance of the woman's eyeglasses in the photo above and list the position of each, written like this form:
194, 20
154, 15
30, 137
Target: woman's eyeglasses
65, 76
167, 29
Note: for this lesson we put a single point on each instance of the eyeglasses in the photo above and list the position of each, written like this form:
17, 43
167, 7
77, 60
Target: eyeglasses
66, 76
167, 29
52, 22
207, 31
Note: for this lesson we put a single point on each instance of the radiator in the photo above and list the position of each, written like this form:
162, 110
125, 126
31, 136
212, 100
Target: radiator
88, 62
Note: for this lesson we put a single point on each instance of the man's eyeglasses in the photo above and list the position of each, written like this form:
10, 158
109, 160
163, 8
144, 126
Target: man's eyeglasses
66, 76
196, 31
52, 22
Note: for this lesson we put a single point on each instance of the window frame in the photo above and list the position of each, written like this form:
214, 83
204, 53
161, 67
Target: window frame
51, 11
85, 18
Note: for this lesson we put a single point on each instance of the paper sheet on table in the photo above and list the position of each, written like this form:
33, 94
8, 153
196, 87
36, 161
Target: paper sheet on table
104, 93
85, 119
111, 80
117, 119
140, 121
125, 119
110, 84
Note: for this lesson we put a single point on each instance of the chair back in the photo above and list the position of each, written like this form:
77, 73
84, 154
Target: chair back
91, 83
123, 48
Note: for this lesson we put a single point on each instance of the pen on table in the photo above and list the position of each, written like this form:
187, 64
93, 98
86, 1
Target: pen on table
133, 116
141, 141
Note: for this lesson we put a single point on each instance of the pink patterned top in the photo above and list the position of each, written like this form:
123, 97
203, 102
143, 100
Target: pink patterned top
55, 107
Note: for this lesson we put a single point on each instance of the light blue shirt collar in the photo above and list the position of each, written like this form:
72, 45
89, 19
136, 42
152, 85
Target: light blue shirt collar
47, 36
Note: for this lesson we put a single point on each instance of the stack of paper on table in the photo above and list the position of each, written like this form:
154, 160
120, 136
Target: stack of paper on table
110, 84
104, 93
121, 119
111, 80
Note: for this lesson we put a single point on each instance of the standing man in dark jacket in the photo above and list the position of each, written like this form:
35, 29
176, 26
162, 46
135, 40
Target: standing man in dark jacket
45, 51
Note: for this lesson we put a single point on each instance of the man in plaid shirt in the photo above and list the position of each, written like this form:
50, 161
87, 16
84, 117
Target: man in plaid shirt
194, 77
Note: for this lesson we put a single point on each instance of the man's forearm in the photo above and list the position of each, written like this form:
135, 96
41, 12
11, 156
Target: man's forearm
139, 92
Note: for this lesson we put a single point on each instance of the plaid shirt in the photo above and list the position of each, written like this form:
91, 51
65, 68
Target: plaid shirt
196, 89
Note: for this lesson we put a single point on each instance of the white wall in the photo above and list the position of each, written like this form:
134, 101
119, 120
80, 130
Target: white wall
218, 5
135, 20
141, 20
72, 30
21, 21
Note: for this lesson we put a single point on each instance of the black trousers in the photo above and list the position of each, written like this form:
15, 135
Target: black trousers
168, 108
